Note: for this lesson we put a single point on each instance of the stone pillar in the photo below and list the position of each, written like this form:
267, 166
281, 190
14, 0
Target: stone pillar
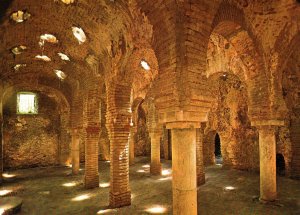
1, 138
184, 171
91, 157
131, 145
267, 156
118, 118
75, 152
165, 143
155, 166
1, 148
199, 157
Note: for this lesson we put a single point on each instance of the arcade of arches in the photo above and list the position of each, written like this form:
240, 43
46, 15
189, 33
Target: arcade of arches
150, 107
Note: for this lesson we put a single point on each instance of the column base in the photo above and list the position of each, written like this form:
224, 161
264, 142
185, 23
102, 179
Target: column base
131, 162
200, 180
91, 182
117, 200
184, 202
75, 172
263, 201
155, 169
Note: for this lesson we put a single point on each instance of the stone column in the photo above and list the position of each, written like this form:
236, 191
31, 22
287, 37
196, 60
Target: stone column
1, 138
1, 148
91, 157
184, 171
131, 145
267, 156
155, 166
165, 143
199, 157
75, 152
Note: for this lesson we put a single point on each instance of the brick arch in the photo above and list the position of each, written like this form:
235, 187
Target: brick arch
230, 23
284, 53
60, 98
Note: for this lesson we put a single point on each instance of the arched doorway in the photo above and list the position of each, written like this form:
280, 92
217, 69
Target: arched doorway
280, 165
218, 154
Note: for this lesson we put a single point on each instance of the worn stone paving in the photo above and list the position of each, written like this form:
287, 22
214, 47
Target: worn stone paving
54, 190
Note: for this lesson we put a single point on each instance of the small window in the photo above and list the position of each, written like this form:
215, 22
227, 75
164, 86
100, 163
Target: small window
27, 103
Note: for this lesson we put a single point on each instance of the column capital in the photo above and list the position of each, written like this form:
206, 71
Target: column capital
267, 123
182, 125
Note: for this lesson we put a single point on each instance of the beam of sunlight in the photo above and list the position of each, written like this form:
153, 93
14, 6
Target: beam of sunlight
141, 170
81, 197
166, 172
229, 188
6, 175
5, 192
45, 192
165, 179
104, 185
146, 166
70, 184
105, 211
156, 209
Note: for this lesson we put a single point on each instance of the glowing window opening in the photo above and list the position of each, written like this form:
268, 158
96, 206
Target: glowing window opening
60, 74
20, 16
79, 34
63, 56
43, 58
67, 1
17, 67
27, 103
145, 65
18, 49
48, 38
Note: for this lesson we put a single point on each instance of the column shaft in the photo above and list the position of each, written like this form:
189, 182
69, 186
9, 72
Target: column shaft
75, 153
91, 158
184, 171
267, 154
1, 149
131, 146
118, 118
155, 166
199, 156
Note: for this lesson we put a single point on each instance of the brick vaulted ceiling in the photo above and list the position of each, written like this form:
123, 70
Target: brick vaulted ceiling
174, 35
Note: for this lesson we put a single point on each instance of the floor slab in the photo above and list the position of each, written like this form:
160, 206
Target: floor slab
54, 190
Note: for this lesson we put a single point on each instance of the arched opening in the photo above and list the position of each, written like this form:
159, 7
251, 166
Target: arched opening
142, 140
280, 165
218, 154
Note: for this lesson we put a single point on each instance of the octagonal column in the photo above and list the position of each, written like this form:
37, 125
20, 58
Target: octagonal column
184, 184
155, 166
75, 153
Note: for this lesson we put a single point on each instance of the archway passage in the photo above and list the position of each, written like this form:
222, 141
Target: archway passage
218, 154
280, 165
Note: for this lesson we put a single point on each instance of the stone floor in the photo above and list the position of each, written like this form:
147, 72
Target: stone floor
51, 191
